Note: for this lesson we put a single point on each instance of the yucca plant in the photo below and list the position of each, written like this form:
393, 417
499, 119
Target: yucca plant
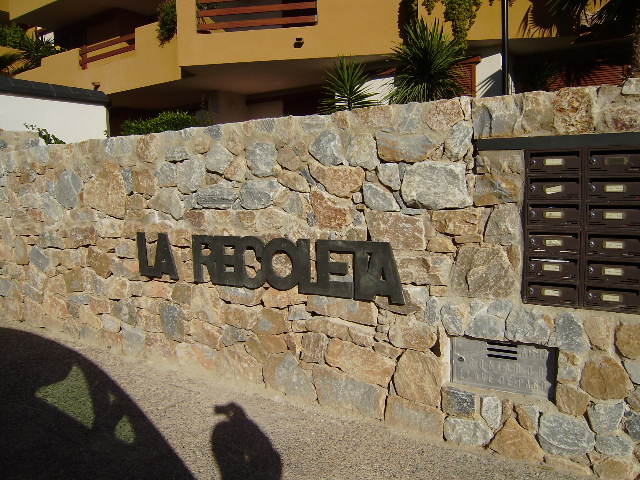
346, 88
427, 65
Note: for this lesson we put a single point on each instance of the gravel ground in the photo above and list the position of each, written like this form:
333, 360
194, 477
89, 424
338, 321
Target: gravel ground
178, 417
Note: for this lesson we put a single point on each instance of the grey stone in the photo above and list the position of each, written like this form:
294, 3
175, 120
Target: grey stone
413, 416
483, 272
327, 148
632, 425
361, 152
51, 207
486, 326
459, 402
282, 373
500, 308
173, 319
458, 142
168, 200
191, 174
214, 131
620, 445
403, 148
467, 432
127, 179
232, 335
528, 416
408, 117
219, 196
261, 159
38, 258
176, 154
378, 198
562, 434
528, 326
491, 411
432, 312
633, 369
631, 86
435, 185
7, 287
570, 333
259, 193
454, 319
166, 175
475, 307
315, 123
504, 226
389, 175
133, 340
110, 323
125, 310
217, 159
67, 189
339, 390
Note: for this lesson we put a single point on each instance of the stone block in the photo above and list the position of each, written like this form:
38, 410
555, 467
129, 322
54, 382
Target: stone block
106, 191
467, 432
259, 193
570, 400
486, 326
435, 185
454, 318
570, 333
221, 196
404, 232
504, 225
339, 181
413, 335
271, 322
363, 313
515, 442
206, 334
331, 212
605, 379
339, 390
235, 363
424, 268
619, 445
411, 416
529, 326
133, 340
495, 189
173, 322
459, 403
389, 175
261, 159
281, 299
169, 201
441, 245
615, 468
491, 411
600, 331
313, 347
628, 340
327, 148
403, 148
418, 377
282, 373
240, 316
484, 272
563, 434
575, 110
361, 363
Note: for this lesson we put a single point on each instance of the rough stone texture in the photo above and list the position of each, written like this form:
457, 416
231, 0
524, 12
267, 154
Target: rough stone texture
314, 346
378, 198
435, 185
565, 435
605, 379
413, 335
528, 326
528, 416
217, 159
364, 313
570, 334
221, 196
361, 363
516, 442
339, 390
617, 445
486, 326
467, 432
491, 411
327, 148
106, 192
570, 400
330, 212
282, 373
67, 189
493, 189
418, 377
483, 272
632, 425
600, 332
574, 110
389, 175
459, 403
403, 148
339, 181
414, 417
404, 232
454, 318
259, 193
628, 340
615, 468
504, 225
261, 158
173, 319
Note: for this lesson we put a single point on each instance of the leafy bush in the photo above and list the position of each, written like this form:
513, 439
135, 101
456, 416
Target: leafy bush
346, 88
11, 35
169, 120
32, 48
167, 21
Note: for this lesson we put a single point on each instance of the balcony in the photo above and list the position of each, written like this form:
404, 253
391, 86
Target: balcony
129, 42
234, 15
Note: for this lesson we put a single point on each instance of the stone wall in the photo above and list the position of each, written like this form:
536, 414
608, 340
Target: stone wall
404, 174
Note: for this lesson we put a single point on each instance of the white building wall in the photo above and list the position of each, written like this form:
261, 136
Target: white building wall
69, 121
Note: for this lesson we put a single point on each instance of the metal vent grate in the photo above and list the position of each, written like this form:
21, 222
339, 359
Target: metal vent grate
505, 351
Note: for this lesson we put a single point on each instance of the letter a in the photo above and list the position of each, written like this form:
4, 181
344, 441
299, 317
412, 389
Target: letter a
164, 262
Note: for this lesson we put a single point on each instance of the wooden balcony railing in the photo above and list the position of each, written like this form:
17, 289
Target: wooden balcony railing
129, 40
216, 16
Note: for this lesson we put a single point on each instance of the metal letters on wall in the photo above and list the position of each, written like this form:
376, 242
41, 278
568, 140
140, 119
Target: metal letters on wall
223, 257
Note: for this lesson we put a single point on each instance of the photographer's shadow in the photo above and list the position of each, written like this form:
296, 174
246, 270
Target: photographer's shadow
241, 449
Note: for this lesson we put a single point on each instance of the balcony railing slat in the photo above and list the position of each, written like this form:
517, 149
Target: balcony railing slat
257, 9
258, 23
112, 53
108, 43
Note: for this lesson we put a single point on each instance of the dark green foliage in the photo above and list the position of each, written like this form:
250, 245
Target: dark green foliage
169, 120
11, 35
167, 21
6, 60
538, 73
346, 88
32, 49
428, 65
461, 14
49, 138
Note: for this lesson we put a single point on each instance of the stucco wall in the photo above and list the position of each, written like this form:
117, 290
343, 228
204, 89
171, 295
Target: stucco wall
405, 174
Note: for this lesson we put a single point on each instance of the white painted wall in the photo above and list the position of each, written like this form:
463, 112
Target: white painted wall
381, 87
69, 121
489, 74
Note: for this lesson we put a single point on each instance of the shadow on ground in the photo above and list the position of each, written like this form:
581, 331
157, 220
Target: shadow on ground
62, 417
241, 449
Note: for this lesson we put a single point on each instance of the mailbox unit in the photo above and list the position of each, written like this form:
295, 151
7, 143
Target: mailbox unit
582, 228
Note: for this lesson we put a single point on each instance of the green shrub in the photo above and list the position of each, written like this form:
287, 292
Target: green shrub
169, 120
167, 21
346, 88
11, 35
49, 138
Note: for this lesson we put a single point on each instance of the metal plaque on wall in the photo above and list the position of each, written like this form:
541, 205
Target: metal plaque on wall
510, 367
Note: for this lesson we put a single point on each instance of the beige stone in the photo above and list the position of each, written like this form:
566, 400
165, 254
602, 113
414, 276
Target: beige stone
235, 363
144, 181
615, 468
106, 192
574, 110
441, 245
207, 334
240, 316
566, 464
271, 321
340, 181
411, 416
424, 268
364, 313
54, 306
293, 181
361, 363
99, 261
404, 232
605, 379
156, 289
331, 212
281, 299
600, 331
80, 236
413, 335
572, 401
313, 347
418, 377
628, 340
516, 442
494, 189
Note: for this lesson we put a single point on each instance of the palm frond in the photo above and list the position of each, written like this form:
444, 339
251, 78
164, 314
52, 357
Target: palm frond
346, 88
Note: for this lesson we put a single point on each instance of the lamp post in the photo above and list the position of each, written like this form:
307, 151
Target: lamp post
505, 47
